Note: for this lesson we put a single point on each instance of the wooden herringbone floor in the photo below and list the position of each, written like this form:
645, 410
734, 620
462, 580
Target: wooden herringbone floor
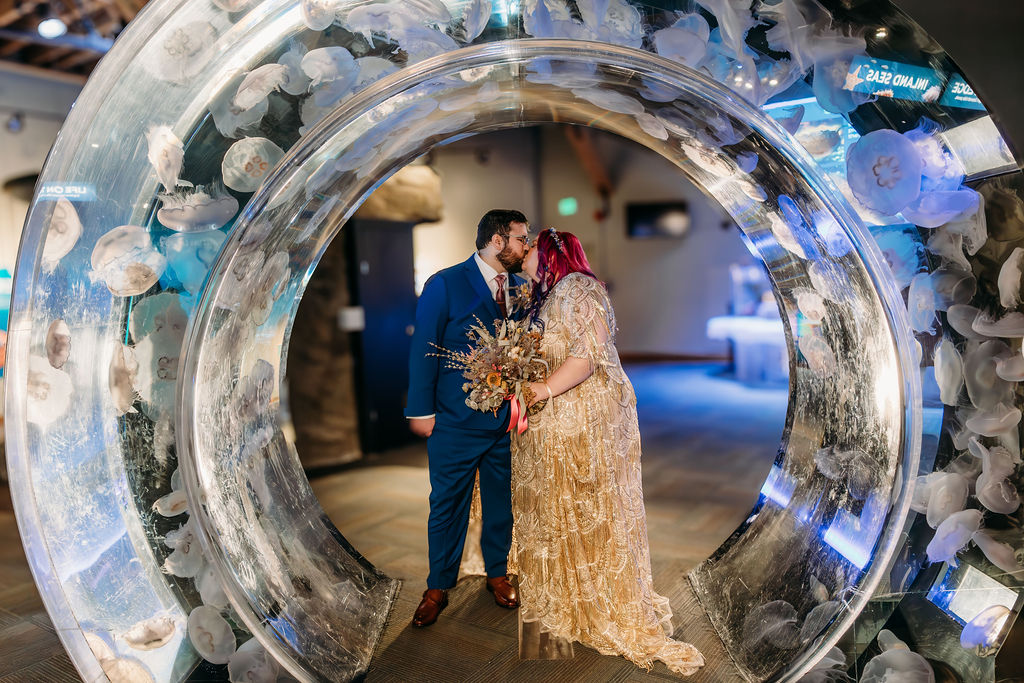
708, 444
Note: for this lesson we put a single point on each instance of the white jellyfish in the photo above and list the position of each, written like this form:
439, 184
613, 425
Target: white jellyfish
652, 126
258, 84
949, 372
191, 255
166, 154
610, 100
157, 356
211, 635
1010, 325
948, 246
784, 235
171, 505
773, 622
62, 234
180, 51
253, 394
961, 318
717, 164
972, 225
266, 288
884, 171
1009, 279
210, 590
488, 92
1011, 367
197, 211
993, 488
474, 21
829, 669
151, 633
984, 386
921, 304
121, 379
372, 69
420, 42
932, 209
163, 312
982, 633
953, 285
294, 81
232, 121
126, 261
835, 80
248, 162
993, 421
818, 354
898, 665
252, 664
48, 392
317, 15
947, 496
58, 343
818, 618
187, 559
952, 535
685, 41
1000, 554
330, 64
125, 670
811, 304
747, 161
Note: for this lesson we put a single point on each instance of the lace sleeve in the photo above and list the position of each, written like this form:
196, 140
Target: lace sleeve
587, 315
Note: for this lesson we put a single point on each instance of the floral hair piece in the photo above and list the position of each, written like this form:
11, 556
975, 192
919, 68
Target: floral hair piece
557, 239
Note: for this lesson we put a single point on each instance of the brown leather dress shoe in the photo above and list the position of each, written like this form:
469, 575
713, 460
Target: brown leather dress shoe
505, 594
434, 600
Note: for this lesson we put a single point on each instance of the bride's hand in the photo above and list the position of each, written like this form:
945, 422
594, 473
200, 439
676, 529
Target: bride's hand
540, 392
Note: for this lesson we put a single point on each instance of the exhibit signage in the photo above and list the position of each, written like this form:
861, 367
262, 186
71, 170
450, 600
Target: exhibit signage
959, 94
893, 79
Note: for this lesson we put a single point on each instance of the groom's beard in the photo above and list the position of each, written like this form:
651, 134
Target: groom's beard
512, 262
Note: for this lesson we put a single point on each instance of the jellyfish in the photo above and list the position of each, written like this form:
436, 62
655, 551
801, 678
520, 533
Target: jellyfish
254, 392
539, 18
163, 312
121, 379
252, 664
949, 372
952, 535
834, 81
982, 633
474, 21
248, 162
820, 140
61, 234
961, 318
1000, 554
211, 635
180, 51
811, 304
830, 669
210, 590
197, 211
940, 169
258, 84
921, 304
294, 81
819, 356
124, 258
610, 100
685, 41
750, 189
488, 92
421, 43
953, 285
993, 488
186, 560
1009, 279
372, 69
949, 246
785, 236
898, 665
171, 505
972, 225
652, 126
984, 386
157, 357
125, 670
818, 618
191, 255
317, 15
1010, 325
790, 118
613, 21
166, 154
947, 496
334, 65
58, 343
151, 633
1011, 367
773, 622
884, 171
229, 119
266, 288
932, 209
48, 392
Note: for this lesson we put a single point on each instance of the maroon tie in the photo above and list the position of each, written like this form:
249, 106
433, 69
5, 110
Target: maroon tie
499, 296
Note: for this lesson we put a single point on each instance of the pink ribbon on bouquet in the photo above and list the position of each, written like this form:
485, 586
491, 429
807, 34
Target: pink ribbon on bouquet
519, 419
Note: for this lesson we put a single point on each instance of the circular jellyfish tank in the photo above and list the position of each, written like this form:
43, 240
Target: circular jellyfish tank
221, 146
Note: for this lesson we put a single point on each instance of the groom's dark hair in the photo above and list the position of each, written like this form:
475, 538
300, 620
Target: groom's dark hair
497, 222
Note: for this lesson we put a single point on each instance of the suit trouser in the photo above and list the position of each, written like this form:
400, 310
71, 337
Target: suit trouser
454, 456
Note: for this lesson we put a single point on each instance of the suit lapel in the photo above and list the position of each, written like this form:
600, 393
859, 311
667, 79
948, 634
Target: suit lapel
476, 279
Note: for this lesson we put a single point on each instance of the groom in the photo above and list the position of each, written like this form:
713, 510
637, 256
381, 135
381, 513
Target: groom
461, 440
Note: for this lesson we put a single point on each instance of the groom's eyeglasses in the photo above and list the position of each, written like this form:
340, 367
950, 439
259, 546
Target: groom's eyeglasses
523, 239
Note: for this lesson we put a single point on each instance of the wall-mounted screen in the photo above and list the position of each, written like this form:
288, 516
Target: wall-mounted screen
657, 219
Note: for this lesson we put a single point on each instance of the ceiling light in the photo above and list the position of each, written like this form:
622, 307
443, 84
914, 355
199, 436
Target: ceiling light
52, 27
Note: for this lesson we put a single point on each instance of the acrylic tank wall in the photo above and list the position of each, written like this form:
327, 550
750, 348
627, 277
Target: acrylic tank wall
221, 146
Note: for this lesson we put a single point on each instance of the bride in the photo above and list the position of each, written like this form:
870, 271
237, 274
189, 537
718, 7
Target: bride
580, 532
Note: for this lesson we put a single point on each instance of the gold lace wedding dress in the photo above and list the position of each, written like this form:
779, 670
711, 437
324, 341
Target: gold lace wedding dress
580, 534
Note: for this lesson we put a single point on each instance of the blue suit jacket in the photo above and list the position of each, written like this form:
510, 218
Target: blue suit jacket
452, 300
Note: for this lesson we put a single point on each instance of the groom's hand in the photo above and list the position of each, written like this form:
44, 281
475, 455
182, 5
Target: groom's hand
422, 426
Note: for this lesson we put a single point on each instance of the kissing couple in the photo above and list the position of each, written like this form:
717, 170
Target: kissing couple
562, 503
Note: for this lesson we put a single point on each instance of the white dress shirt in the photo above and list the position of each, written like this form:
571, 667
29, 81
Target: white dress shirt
489, 274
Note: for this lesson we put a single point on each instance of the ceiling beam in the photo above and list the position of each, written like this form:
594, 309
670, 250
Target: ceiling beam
11, 47
74, 60
50, 54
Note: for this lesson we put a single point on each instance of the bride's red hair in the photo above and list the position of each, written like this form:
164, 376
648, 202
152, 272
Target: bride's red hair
558, 255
